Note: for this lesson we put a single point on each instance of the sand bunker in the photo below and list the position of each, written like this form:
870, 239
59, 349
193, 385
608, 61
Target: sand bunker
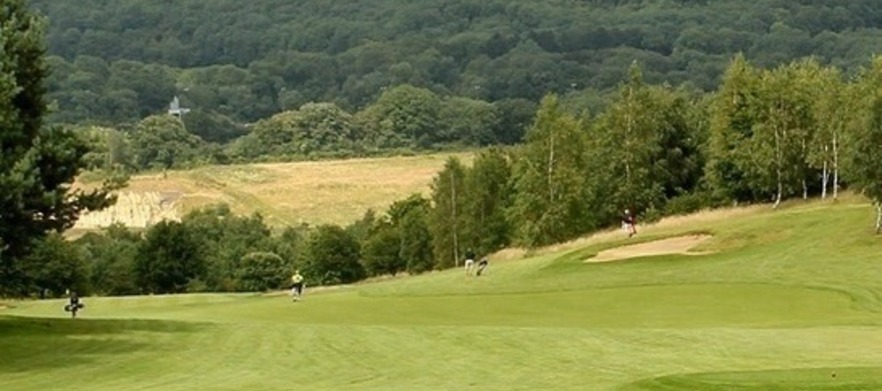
678, 245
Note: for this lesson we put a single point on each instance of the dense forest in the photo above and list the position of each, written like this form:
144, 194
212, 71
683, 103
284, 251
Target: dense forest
237, 62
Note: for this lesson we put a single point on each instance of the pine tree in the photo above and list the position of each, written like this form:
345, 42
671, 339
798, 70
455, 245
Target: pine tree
37, 165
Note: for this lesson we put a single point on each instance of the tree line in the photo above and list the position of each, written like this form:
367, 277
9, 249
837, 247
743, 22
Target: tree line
766, 134
405, 119
797, 130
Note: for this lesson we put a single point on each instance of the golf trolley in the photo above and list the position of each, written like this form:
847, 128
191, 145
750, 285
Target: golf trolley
73, 308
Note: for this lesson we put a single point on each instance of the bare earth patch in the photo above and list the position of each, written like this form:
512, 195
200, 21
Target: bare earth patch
135, 210
679, 245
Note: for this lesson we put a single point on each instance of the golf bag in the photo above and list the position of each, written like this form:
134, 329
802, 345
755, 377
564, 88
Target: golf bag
74, 307
481, 266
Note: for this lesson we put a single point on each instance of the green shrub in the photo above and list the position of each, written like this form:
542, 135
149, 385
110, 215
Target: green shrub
262, 271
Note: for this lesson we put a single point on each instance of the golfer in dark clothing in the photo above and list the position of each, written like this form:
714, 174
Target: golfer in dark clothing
74, 305
469, 260
297, 286
629, 223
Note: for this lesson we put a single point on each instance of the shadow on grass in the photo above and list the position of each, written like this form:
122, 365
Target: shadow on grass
807, 379
30, 344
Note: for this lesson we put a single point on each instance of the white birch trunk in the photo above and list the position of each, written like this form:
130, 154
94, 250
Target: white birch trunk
878, 217
825, 177
551, 169
835, 166
778, 193
804, 170
628, 129
778, 169
454, 221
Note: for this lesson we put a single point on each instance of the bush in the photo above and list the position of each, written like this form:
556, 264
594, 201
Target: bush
262, 271
333, 256
111, 260
688, 203
56, 265
197, 285
381, 253
168, 258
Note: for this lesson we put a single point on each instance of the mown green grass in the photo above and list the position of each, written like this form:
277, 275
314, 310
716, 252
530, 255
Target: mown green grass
808, 379
785, 299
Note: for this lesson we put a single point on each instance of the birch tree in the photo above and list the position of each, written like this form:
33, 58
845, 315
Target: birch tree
446, 214
732, 119
549, 179
867, 158
866, 153
763, 153
833, 111
642, 150
775, 150
489, 195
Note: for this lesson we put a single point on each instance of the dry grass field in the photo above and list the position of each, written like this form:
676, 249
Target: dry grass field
338, 191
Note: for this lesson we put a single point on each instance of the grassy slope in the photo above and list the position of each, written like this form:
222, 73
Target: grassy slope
291, 193
788, 298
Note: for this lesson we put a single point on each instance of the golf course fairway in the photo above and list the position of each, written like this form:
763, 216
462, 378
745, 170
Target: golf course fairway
785, 299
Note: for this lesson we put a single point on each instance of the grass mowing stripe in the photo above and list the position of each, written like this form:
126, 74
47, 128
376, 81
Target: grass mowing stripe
277, 356
808, 379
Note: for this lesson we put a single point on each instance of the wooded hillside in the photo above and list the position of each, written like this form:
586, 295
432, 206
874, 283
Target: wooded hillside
236, 62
